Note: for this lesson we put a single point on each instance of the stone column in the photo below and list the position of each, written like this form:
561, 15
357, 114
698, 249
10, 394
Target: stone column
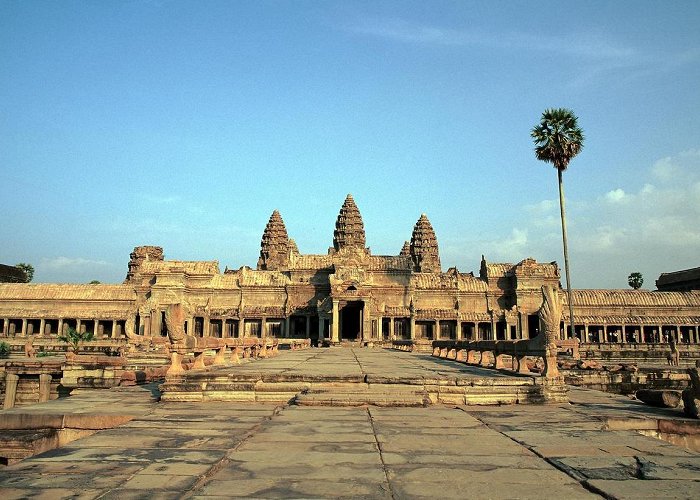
524, 326
97, 329
42, 325
334, 325
287, 323
154, 330
412, 332
623, 333
11, 380
585, 333
392, 335
206, 327
23, 332
6, 327
436, 335
44, 387
60, 327
366, 323
308, 326
263, 327
321, 332
115, 333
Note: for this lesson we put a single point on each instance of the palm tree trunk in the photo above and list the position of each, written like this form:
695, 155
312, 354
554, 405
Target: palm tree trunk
566, 254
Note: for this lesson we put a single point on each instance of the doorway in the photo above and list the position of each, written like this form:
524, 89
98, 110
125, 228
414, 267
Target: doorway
351, 320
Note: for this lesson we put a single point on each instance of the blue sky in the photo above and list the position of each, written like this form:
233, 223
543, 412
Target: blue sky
184, 124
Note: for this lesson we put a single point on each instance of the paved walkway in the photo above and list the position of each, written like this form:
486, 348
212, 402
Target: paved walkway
358, 363
209, 450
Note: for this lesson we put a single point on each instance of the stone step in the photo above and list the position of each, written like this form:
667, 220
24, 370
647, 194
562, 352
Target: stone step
363, 396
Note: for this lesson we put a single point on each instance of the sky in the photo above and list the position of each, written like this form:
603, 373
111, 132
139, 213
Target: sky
184, 124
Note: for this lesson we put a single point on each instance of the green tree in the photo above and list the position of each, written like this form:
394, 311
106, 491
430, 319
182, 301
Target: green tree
95, 282
73, 338
635, 280
28, 271
558, 138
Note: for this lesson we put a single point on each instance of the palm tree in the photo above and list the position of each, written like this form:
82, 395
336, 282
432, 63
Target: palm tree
558, 139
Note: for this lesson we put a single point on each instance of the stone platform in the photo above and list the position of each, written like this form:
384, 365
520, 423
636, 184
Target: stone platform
582, 449
358, 376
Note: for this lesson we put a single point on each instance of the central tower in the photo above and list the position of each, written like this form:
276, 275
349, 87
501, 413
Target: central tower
349, 228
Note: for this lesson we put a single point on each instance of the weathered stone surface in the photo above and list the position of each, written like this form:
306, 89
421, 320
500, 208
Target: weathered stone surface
664, 399
266, 450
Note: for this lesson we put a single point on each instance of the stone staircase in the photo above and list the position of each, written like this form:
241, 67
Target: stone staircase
364, 394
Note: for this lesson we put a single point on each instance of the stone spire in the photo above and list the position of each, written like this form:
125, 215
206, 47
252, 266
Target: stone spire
349, 228
405, 249
274, 246
424, 247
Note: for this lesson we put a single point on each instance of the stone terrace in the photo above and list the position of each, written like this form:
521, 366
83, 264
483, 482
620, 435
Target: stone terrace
356, 376
268, 450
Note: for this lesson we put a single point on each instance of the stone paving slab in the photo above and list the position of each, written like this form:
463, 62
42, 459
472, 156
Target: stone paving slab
261, 450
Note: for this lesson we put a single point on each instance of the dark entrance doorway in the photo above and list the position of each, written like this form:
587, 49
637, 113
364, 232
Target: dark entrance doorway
351, 321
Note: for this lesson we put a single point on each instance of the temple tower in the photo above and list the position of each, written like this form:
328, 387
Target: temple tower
405, 249
140, 255
274, 247
349, 228
424, 247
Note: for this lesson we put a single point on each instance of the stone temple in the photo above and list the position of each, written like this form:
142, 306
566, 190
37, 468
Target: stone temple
346, 295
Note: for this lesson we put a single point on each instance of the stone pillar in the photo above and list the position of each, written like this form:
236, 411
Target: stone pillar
366, 323
308, 326
206, 327
11, 380
23, 332
42, 325
436, 335
154, 330
524, 326
321, 330
335, 323
263, 327
60, 327
412, 332
44, 387
6, 327
392, 334
623, 334
97, 329
115, 333
585, 333
287, 324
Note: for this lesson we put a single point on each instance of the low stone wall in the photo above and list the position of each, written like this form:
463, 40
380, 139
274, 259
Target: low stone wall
628, 382
29, 381
52, 345
639, 353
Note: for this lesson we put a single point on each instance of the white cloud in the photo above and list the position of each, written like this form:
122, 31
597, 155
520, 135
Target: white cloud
589, 45
654, 228
67, 263
616, 196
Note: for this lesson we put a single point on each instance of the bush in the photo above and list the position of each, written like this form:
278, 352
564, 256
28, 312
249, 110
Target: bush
4, 349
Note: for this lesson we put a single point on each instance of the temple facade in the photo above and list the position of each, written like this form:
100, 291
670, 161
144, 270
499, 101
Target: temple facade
345, 295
